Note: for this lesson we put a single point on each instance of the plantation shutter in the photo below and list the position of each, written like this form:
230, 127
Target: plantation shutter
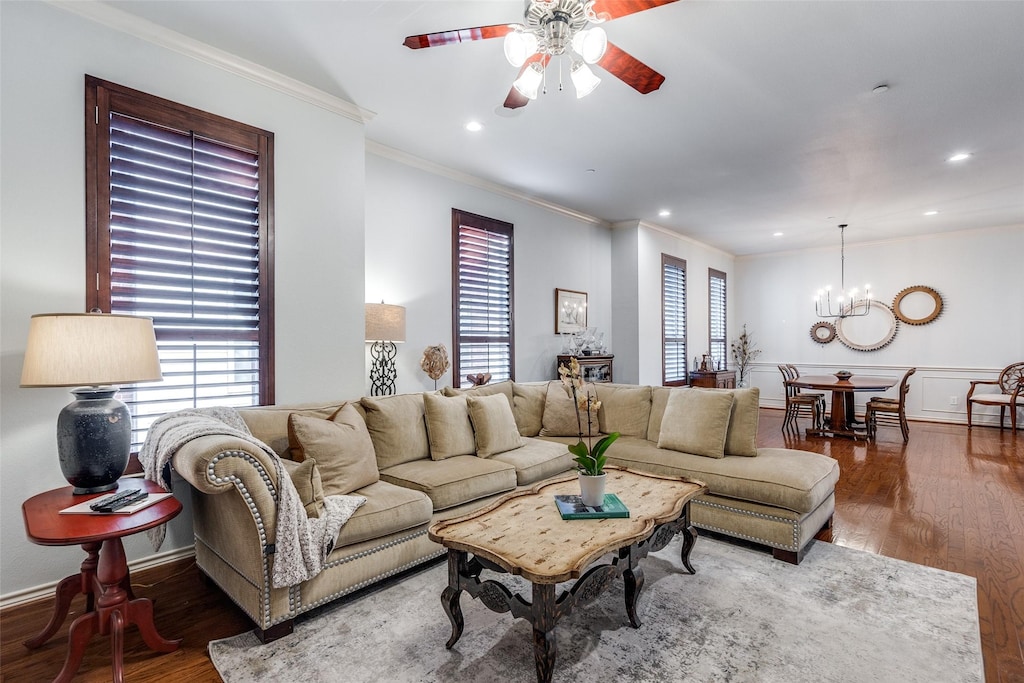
674, 320
483, 327
184, 238
717, 311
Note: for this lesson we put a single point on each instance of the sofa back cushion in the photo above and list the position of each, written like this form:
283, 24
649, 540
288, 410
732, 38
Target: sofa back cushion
449, 431
741, 438
560, 412
528, 407
696, 421
341, 448
503, 388
625, 408
269, 424
308, 484
494, 425
397, 428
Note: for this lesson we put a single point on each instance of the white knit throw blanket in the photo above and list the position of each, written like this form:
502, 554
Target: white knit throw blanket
302, 543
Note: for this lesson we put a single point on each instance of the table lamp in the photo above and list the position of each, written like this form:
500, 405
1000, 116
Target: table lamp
91, 351
385, 325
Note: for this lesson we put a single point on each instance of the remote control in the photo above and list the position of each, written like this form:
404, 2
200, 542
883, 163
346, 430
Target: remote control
117, 501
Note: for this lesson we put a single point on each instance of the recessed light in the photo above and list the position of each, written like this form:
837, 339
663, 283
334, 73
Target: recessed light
880, 88
474, 126
959, 156
664, 212
591, 170
776, 234
930, 213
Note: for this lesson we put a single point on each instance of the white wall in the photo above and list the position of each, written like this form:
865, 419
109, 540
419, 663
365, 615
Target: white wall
409, 262
319, 165
980, 329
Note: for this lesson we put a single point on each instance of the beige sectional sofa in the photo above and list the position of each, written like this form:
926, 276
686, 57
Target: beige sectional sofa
417, 458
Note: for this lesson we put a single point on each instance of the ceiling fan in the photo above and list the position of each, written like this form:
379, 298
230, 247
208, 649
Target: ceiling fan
560, 28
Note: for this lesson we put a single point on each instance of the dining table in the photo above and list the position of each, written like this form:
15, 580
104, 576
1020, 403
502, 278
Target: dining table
842, 419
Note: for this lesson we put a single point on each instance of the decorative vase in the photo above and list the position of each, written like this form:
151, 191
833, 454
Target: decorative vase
592, 489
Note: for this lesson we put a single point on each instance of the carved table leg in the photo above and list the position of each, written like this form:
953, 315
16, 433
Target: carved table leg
544, 618
634, 580
689, 539
67, 589
450, 595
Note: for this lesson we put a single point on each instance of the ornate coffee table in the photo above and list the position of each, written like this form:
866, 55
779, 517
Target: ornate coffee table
522, 533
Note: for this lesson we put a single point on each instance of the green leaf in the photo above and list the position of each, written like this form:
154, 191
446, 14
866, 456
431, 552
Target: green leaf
601, 446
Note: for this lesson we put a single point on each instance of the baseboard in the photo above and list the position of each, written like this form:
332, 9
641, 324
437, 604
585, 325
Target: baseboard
47, 590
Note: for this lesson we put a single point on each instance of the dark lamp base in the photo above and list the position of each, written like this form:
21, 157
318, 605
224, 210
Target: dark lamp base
94, 435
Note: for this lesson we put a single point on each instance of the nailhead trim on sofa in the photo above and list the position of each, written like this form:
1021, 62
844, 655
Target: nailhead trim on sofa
796, 528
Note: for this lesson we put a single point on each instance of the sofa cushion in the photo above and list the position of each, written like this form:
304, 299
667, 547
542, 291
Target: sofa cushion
625, 408
341, 447
453, 481
560, 412
528, 407
493, 424
397, 428
741, 439
388, 509
449, 430
780, 477
537, 460
696, 421
306, 477
659, 399
503, 388
269, 424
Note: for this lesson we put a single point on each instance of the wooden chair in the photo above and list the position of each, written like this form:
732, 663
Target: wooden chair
798, 403
890, 410
794, 373
1011, 387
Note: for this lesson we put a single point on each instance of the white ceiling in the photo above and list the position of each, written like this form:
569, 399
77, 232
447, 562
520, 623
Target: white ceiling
766, 121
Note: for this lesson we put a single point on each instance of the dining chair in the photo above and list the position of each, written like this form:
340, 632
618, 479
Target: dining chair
794, 373
890, 410
797, 403
1011, 394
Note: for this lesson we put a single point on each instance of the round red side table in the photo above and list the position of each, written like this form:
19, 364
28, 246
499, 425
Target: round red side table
103, 577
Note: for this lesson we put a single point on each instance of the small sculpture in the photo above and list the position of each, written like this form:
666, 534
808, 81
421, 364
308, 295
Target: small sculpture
435, 362
479, 379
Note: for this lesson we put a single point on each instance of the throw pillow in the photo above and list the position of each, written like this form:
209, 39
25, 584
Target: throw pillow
742, 436
560, 412
528, 407
494, 424
625, 409
306, 477
504, 388
448, 428
341, 447
696, 421
397, 428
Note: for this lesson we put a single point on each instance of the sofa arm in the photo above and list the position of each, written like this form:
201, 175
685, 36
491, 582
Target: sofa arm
212, 464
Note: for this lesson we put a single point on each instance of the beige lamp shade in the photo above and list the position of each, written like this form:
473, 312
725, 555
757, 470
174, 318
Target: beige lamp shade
80, 349
385, 322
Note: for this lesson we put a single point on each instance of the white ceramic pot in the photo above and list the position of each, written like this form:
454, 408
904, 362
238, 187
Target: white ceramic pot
592, 489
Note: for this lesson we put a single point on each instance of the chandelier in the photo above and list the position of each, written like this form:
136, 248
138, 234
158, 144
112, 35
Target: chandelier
556, 28
848, 304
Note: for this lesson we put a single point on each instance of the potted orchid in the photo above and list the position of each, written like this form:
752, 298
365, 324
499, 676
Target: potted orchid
589, 457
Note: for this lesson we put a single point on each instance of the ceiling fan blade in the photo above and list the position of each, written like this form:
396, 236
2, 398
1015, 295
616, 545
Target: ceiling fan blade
516, 99
613, 9
630, 70
460, 36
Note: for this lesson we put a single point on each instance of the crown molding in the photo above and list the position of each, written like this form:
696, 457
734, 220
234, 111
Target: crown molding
682, 238
172, 40
467, 179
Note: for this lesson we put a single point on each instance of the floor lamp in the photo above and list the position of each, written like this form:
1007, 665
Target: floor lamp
92, 352
385, 326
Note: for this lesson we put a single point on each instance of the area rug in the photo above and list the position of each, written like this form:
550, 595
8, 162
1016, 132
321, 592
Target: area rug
841, 615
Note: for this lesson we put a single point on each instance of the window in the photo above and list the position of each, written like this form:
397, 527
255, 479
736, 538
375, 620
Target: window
673, 289
482, 306
179, 228
716, 317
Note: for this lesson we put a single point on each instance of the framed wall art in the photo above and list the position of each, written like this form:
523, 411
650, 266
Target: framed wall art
570, 311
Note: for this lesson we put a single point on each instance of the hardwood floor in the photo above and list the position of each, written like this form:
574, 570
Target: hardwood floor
950, 498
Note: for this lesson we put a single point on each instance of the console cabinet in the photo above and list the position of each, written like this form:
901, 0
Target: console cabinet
713, 379
593, 368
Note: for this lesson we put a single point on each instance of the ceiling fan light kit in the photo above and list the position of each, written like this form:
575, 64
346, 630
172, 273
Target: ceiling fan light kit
560, 28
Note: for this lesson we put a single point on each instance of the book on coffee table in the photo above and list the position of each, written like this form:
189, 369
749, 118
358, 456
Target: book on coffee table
572, 507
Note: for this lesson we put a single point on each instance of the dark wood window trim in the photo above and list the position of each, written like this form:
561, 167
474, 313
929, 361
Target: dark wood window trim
718, 344
135, 115
674, 366
473, 232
